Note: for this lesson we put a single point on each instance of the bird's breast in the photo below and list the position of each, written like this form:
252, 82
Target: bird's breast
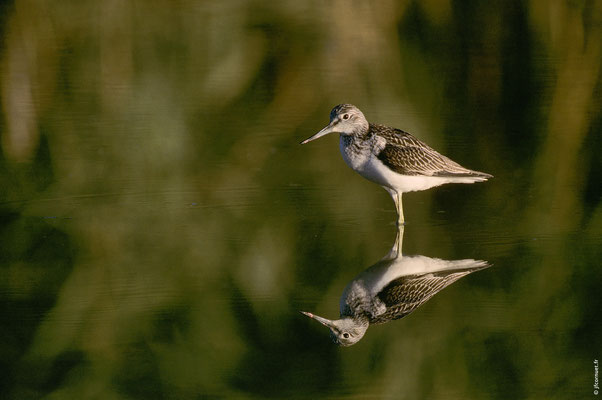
359, 300
360, 155
355, 153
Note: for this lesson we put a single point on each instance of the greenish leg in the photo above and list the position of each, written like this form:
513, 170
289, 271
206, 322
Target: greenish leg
399, 204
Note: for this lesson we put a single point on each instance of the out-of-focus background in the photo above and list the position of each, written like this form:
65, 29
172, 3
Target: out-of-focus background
161, 227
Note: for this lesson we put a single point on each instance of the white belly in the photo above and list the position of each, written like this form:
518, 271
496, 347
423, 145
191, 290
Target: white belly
377, 172
365, 163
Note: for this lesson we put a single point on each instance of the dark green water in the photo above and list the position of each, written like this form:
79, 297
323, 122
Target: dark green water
161, 227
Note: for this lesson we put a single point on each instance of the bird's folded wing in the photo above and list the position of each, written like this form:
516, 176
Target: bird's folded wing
403, 295
418, 160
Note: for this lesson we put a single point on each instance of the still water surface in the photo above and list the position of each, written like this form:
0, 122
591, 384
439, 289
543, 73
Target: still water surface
161, 227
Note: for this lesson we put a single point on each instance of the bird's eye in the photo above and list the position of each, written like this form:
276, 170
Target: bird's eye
345, 116
346, 335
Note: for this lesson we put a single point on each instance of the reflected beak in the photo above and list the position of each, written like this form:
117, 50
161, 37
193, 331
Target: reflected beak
323, 321
329, 129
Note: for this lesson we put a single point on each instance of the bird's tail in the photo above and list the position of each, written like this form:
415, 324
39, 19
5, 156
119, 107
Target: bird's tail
466, 177
480, 176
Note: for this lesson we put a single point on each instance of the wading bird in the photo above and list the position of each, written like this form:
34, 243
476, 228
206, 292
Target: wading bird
391, 157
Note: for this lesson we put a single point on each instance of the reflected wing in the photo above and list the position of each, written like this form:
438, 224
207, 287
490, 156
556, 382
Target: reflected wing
403, 295
407, 155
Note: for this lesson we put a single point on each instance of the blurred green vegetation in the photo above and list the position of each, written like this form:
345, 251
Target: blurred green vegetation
160, 226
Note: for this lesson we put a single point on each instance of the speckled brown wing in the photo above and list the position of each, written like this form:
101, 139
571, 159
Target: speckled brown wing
405, 294
407, 155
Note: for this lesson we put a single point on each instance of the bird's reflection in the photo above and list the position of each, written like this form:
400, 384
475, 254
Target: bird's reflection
391, 289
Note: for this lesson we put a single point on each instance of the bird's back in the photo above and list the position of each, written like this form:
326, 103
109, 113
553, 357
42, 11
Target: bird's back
406, 293
407, 155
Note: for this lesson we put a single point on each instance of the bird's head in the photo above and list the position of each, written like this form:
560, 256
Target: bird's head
346, 120
345, 331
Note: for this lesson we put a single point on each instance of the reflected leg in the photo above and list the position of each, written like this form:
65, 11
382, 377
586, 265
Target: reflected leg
399, 240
